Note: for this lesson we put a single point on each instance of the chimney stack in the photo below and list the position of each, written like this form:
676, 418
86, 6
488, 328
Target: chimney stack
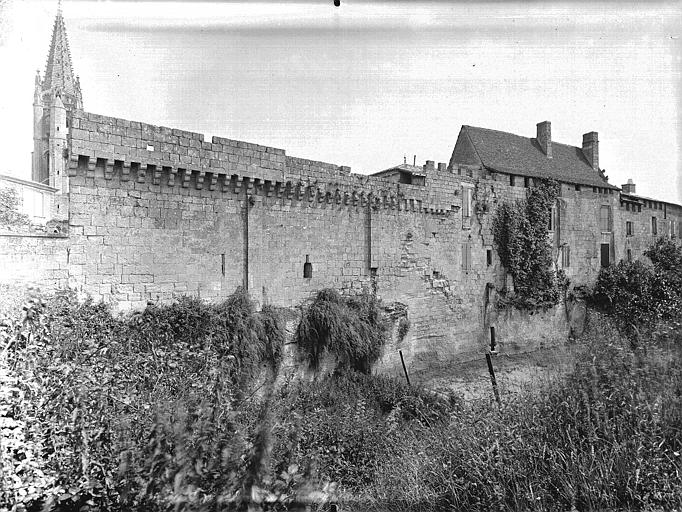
591, 149
629, 187
544, 136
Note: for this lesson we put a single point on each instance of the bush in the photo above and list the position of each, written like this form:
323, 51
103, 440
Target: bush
640, 295
351, 328
137, 412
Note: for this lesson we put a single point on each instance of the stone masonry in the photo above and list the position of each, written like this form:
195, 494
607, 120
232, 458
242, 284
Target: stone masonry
155, 212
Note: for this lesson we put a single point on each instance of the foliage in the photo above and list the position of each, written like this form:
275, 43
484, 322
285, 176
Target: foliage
135, 413
151, 412
520, 235
639, 295
606, 438
339, 428
9, 209
351, 328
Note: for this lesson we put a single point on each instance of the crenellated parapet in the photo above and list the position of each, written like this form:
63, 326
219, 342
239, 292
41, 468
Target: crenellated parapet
106, 147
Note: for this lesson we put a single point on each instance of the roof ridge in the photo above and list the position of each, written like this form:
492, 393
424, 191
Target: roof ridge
521, 136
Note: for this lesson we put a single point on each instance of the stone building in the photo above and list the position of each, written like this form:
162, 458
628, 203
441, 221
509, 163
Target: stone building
154, 212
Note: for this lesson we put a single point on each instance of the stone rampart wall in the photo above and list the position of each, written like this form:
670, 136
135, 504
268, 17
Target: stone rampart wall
156, 212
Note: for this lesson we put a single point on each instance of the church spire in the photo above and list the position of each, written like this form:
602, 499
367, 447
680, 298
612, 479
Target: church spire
59, 76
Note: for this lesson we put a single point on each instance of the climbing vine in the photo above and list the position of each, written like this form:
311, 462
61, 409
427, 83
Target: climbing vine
520, 235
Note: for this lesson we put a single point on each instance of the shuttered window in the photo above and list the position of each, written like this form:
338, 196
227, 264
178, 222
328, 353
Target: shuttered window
605, 218
466, 256
467, 193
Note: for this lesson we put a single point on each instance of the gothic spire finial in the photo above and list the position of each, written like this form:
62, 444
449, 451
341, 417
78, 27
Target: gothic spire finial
59, 75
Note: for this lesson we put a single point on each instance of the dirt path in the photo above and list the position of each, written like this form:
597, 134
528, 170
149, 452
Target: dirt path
513, 372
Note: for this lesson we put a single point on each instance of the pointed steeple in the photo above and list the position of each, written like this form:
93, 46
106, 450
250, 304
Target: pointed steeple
59, 75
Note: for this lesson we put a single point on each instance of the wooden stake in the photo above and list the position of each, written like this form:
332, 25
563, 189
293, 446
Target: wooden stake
489, 360
407, 377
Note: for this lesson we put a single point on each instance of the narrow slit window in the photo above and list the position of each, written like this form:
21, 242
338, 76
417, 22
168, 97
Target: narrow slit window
222, 264
307, 268
489, 257
654, 226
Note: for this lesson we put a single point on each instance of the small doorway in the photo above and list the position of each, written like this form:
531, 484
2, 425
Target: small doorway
605, 255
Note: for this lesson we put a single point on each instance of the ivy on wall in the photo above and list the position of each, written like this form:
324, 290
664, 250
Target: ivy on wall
520, 236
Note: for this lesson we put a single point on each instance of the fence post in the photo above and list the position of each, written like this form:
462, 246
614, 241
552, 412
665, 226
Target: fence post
407, 377
492, 377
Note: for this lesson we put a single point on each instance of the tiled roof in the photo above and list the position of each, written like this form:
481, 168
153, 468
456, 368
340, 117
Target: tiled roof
412, 169
513, 154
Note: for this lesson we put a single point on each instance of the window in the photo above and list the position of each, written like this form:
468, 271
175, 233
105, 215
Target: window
565, 256
577, 188
467, 193
489, 257
512, 180
628, 228
673, 233
629, 255
605, 218
526, 182
552, 219
33, 204
605, 255
466, 256
307, 268
654, 226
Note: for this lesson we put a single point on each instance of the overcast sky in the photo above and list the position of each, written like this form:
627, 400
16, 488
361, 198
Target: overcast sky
367, 83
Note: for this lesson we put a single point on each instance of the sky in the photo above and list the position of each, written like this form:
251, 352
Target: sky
368, 83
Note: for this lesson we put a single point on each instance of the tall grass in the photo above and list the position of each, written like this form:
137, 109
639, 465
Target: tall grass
608, 437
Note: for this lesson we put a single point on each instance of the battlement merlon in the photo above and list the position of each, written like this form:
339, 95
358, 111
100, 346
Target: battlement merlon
114, 143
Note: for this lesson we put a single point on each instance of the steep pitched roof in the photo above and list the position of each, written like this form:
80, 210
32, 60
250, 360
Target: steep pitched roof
522, 156
59, 75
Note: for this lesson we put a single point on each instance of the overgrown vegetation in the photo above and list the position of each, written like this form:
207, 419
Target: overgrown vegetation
638, 294
351, 328
178, 407
142, 412
520, 236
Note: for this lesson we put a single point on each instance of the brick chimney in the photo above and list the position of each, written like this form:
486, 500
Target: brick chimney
544, 137
591, 149
629, 187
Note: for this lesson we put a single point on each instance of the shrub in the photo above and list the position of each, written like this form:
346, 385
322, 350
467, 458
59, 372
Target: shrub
138, 412
640, 295
351, 328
